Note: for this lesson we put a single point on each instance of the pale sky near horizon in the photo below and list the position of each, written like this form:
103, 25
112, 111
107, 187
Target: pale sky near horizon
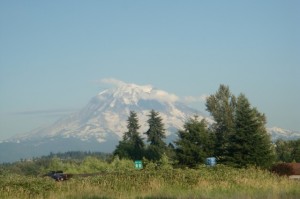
53, 54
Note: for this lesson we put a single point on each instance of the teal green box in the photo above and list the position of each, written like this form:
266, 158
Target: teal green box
138, 164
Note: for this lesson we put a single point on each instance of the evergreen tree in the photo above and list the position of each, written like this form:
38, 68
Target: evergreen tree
283, 151
156, 131
287, 150
155, 135
194, 143
123, 150
221, 106
241, 136
250, 144
132, 145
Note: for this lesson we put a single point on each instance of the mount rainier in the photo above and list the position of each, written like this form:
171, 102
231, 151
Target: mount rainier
101, 123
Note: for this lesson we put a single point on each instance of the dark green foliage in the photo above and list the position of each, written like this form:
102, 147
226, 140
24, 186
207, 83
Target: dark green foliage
78, 155
194, 143
287, 151
156, 131
221, 106
154, 153
37, 166
283, 151
241, 137
123, 149
155, 136
171, 153
296, 150
25, 167
132, 145
132, 126
250, 144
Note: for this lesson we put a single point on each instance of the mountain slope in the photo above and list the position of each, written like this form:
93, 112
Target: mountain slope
101, 123
279, 133
107, 113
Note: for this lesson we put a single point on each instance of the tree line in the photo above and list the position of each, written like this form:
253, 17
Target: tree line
238, 136
288, 150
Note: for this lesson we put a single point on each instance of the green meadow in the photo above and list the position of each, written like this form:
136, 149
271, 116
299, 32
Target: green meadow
119, 179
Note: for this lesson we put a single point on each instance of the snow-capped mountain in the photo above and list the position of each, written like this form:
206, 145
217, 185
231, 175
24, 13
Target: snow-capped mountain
279, 133
106, 114
101, 123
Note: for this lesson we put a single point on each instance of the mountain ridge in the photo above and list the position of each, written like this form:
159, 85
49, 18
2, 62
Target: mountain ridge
107, 113
101, 123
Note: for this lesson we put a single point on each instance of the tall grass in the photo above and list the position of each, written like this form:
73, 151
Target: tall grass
203, 182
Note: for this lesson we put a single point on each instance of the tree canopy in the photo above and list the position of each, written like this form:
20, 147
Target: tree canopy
155, 137
237, 136
221, 106
241, 136
194, 143
132, 145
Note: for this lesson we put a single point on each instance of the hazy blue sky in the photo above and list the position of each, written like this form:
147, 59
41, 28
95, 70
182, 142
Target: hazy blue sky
53, 54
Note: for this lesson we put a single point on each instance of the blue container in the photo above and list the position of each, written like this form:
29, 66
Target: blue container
211, 161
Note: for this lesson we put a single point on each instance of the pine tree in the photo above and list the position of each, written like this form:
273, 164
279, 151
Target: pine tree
132, 145
241, 136
155, 135
194, 143
221, 106
250, 144
156, 131
123, 150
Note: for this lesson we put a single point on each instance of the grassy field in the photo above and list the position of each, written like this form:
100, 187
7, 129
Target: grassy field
203, 182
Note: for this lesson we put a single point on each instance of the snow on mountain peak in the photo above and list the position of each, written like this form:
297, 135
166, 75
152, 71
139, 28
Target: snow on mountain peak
106, 114
279, 133
104, 118
129, 93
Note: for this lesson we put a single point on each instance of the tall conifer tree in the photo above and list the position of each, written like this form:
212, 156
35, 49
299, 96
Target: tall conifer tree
132, 145
250, 144
221, 106
156, 132
155, 135
241, 136
194, 143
